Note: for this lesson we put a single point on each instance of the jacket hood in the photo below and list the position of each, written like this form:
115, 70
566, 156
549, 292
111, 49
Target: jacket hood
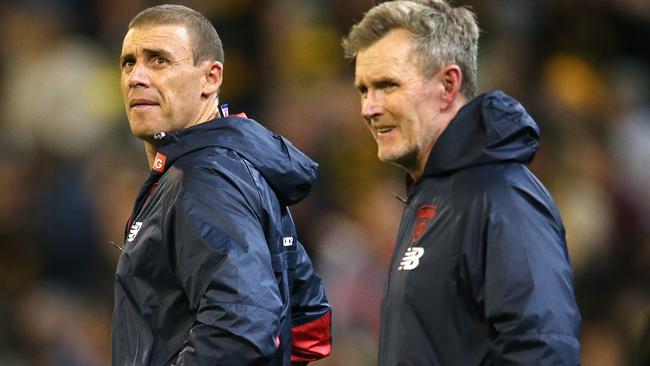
492, 127
288, 171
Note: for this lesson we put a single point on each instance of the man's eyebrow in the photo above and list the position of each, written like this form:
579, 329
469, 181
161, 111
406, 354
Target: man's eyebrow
157, 52
126, 56
148, 52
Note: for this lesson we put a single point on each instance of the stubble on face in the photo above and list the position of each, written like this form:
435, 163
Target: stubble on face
398, 102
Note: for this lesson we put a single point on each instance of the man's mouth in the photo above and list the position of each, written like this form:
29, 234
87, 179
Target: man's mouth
381, 130
142, 102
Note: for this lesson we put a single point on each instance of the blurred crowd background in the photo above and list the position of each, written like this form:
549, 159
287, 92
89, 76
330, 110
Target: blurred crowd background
69, 169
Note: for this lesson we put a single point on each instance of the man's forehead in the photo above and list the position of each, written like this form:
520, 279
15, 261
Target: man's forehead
159, 36
369, 66
395, 46
377, 60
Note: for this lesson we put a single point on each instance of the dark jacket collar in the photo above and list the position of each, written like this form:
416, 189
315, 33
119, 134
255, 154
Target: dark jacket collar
491, 128
288, 171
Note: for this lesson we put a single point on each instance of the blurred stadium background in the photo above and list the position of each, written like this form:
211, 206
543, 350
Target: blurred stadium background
69, 169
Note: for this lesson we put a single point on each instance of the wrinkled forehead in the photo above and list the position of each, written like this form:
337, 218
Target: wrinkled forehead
170, 37
391, 52
369, 65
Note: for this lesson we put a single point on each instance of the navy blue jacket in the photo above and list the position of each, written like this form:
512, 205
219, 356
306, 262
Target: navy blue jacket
480, 273
212, 272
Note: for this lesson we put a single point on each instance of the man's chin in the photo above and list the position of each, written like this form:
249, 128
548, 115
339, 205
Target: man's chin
144, 135
389, 157
142, 130
402, 160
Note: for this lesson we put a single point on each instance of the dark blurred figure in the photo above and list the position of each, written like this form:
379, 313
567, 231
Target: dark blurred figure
643, 350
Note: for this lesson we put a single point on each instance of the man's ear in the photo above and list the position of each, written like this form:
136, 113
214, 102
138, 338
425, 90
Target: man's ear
451, 78
213, 77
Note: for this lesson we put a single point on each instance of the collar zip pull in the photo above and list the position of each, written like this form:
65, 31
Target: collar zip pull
400, 198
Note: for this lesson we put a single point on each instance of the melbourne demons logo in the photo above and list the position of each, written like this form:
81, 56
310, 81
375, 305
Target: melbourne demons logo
159, 163
424, 215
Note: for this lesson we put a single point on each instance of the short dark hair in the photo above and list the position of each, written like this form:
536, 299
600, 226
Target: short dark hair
206, 44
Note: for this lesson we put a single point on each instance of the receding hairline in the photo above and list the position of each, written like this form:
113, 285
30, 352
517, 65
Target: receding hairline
162, 49
157, 23
166, 14
410, 38
204, 39
192, 34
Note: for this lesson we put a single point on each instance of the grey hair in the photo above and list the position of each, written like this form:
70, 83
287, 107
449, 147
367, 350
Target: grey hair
442, 35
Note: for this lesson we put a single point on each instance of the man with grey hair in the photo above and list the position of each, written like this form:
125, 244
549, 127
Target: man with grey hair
211, 272
480, 273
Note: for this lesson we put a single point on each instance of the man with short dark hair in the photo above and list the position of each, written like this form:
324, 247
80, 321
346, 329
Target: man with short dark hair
212, 272
480, 273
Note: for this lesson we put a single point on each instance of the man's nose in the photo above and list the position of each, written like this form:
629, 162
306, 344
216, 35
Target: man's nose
139, 75
370, 105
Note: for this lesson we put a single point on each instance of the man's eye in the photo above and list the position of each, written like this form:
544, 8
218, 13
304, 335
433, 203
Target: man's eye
389, 85
160, 60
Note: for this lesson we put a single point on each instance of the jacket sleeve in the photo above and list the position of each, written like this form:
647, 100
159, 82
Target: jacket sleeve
222, 262
310, 314
529, 298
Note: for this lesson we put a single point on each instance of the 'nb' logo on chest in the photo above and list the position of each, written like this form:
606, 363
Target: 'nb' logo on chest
135, 228
411, 258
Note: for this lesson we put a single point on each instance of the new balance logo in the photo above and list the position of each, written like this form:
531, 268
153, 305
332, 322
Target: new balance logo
411, 259
134, 231
287, 241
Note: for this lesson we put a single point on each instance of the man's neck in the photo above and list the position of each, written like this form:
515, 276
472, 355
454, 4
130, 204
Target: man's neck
151, 149
417, 171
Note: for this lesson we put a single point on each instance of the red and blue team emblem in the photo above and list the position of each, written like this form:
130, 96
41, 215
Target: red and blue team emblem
424, 215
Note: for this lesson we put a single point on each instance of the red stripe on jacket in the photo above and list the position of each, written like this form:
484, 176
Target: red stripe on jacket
312, 341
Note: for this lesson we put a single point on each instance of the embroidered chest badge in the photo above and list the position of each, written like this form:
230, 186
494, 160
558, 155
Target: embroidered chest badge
424, 215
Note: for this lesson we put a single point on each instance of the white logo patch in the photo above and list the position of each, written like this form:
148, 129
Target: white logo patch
411, 259
158, 163
135, 228
287, 241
